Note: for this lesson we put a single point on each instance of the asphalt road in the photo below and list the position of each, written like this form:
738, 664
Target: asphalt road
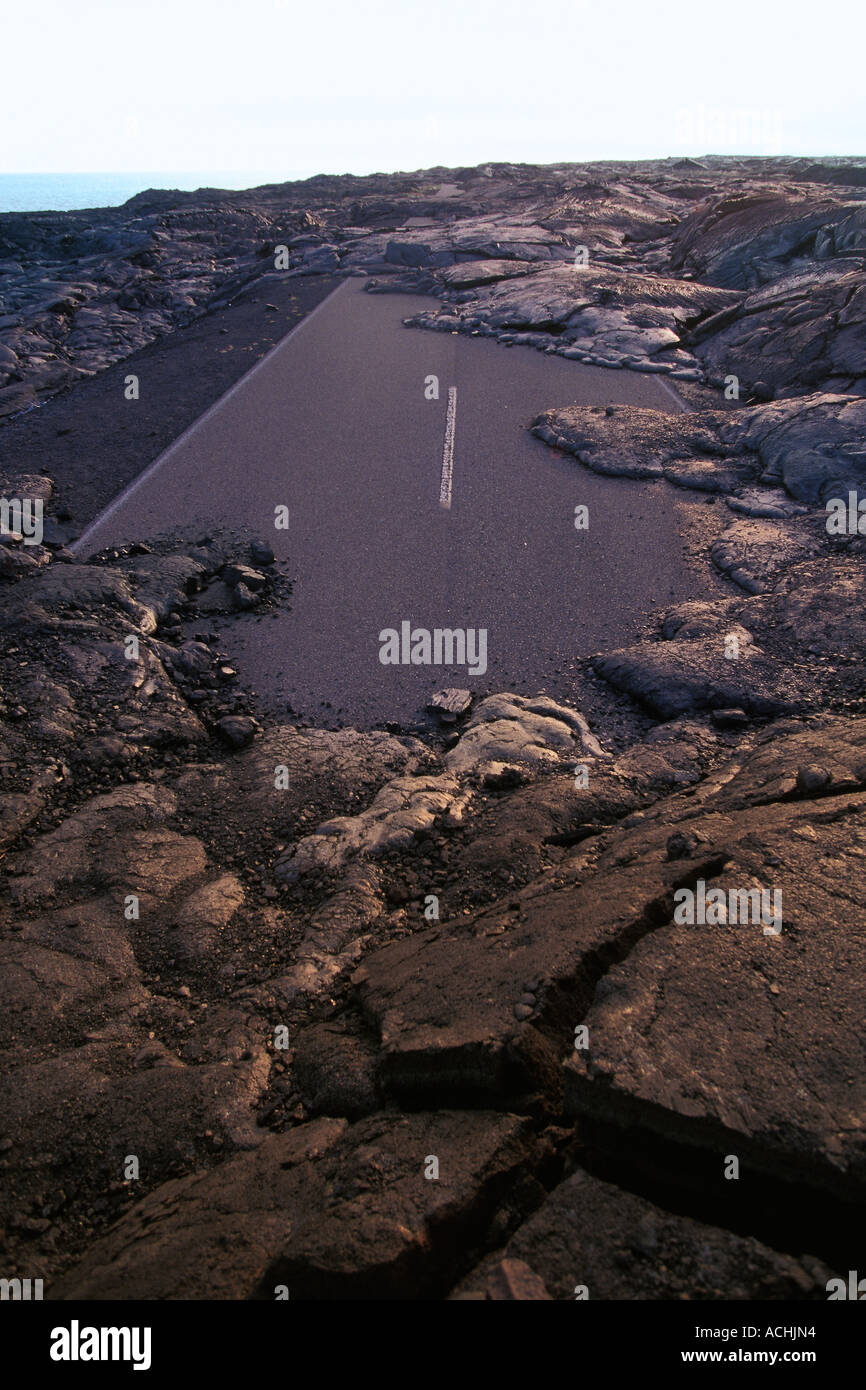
334, 424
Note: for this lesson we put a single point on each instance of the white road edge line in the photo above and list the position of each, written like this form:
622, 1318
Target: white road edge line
447, 482
166, 454
685, 407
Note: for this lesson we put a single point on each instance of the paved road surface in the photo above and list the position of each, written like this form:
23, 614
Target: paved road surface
334, 424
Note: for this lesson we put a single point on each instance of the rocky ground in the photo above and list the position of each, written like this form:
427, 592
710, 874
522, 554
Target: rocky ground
403, 1014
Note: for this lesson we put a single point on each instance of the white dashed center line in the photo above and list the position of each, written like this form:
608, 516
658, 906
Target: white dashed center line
448, 451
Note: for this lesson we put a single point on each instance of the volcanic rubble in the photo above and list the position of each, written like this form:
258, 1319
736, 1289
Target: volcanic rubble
409, 1015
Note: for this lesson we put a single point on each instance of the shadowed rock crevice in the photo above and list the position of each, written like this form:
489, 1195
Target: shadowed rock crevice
684, 1175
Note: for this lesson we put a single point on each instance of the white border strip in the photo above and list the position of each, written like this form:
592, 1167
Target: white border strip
661, 378
447, 482
166, 454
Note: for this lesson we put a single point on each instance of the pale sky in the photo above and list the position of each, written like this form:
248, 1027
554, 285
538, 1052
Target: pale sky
287, 88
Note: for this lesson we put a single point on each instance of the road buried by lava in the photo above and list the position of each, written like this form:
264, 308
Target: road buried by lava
338, 426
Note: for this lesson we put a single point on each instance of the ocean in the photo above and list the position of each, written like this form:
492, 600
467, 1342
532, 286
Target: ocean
63, 192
